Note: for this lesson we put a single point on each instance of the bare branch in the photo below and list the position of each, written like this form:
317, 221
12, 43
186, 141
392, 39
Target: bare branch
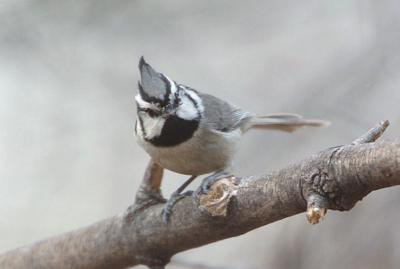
336, 179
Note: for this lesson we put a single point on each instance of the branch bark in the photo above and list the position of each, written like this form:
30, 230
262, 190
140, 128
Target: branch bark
336, 179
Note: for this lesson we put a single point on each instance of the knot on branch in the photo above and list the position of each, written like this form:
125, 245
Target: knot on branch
320, 183
216, 201
322, 190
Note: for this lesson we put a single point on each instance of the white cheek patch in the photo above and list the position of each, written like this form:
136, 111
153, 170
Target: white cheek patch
152, 127
187, 110
196, 98
143, 104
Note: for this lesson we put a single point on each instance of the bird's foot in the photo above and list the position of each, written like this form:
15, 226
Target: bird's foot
175, 197
210, 180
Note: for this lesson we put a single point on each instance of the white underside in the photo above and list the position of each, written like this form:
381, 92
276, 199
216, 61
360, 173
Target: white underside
206, 152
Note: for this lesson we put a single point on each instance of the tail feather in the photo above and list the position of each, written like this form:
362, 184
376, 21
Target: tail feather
285, 122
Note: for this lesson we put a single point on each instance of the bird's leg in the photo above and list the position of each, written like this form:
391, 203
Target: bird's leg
149, 191
175, 197
211, 179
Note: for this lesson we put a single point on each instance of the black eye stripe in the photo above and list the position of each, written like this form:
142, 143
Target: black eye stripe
167, 92
177, 99
151, 112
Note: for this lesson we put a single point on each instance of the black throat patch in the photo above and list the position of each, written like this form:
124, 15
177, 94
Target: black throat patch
175, 131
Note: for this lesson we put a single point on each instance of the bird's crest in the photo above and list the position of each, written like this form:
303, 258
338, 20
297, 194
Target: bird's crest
154, 87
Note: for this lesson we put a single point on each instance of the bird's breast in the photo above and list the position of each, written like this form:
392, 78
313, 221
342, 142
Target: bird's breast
205, 152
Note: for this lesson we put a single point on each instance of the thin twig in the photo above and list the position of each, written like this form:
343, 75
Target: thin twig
373, 134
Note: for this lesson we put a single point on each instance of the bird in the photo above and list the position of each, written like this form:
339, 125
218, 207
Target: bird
194, 133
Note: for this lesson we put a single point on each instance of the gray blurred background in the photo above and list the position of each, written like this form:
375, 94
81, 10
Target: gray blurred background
68, 73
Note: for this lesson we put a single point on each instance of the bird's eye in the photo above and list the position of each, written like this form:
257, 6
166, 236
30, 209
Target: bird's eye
152, 113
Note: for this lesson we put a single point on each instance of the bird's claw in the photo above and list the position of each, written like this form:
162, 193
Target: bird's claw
175, 197
210, 180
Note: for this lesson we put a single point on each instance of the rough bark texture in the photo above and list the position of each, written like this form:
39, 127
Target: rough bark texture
336, 178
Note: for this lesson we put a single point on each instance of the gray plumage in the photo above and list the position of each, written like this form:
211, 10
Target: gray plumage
155, 85
200, 133
225, 117
221, 115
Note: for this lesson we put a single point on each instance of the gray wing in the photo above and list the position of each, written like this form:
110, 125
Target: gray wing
222, 116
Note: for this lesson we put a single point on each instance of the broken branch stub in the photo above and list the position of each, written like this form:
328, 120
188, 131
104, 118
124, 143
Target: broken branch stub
322, 189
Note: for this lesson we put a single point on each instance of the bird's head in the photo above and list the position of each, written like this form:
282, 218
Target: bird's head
158, 95
163, 105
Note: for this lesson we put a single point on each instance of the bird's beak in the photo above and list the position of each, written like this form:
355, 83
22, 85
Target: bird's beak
168, 110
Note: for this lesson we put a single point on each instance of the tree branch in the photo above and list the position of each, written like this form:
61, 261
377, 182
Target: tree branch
336, 178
